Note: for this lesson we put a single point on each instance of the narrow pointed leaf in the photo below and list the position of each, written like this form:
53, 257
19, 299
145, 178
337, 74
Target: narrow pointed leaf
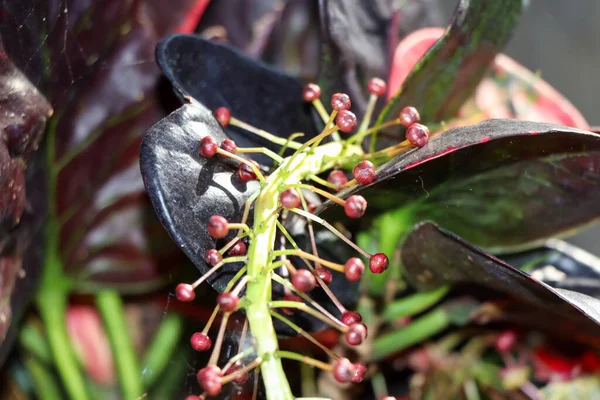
505, 185
451, 70
217, 75
433, 257
517, 206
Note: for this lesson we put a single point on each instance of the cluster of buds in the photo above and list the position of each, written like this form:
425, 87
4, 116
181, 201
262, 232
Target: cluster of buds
282, 193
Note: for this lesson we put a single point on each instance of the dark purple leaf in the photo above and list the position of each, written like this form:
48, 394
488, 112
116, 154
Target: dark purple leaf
95, 61
502, 184
23, 115
451, 70
293, 43
239, 22
220, 76
433, 257
283, 33
358, 38
562, 266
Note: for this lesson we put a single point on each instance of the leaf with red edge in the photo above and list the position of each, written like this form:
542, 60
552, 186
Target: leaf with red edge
95, 62
505, 185
450, 71
23, 115
508, 91
356, 39
434, 257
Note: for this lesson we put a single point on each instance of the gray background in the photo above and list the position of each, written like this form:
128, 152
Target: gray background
561, 39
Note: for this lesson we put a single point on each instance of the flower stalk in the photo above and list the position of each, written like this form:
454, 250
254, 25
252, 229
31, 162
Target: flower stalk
259, 291
266, 258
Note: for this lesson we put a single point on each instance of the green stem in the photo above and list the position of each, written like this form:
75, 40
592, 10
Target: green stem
260, 254
471, 391
174, 378
52, 304
392, 226
54, 288
111, 308
43, 381
290, 355
161, 350
258, 292
413, 304
266, 135
420, 329
307, 379
379, 385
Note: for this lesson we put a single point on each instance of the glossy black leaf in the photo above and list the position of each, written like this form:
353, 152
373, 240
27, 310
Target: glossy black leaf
562, 266
451, 70
358, 39
217, 75
187, 189
502, 184
434, 257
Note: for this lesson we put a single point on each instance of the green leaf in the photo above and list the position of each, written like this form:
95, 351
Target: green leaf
486, 374
412, 304
517, 206
505, 185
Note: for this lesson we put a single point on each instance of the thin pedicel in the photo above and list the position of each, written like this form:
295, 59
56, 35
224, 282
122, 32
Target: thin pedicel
267, 246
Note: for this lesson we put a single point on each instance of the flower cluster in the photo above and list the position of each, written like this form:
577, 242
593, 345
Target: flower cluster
283, 194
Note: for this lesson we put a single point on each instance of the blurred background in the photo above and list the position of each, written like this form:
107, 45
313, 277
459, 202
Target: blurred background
561, 40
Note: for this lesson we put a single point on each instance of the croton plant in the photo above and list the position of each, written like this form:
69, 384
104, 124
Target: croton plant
298, 199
